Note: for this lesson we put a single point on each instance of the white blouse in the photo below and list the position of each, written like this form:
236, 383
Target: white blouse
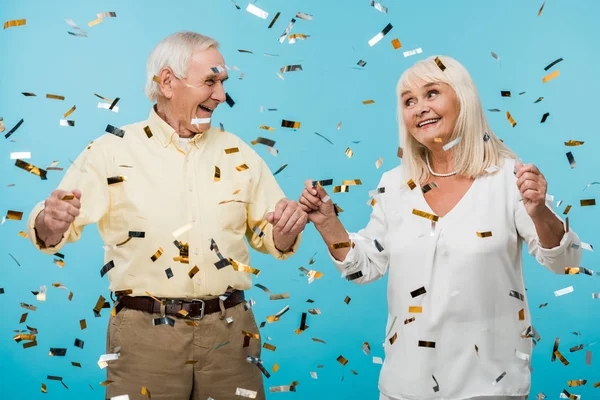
454, 297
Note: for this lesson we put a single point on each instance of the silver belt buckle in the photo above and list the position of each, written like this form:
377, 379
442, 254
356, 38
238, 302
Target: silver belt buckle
198, 301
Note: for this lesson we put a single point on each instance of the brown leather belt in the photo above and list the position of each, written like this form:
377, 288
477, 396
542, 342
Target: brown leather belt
196, 308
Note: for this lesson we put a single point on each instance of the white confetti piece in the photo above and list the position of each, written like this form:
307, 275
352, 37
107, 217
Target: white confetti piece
20, 155
563, 291
412, 52
252, 9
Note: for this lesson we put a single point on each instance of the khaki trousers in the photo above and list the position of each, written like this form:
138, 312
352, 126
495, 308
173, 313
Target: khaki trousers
156, 357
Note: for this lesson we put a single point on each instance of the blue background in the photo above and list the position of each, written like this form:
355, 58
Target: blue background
42, 58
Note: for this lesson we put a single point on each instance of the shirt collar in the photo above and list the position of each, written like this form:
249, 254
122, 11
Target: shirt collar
165, 133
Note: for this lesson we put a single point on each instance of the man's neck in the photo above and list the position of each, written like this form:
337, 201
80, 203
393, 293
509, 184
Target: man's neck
160, 110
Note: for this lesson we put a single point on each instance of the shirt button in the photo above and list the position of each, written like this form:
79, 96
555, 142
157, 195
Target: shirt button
193, 219
190, 189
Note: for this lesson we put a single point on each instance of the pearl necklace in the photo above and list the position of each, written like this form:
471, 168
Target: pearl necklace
435, 173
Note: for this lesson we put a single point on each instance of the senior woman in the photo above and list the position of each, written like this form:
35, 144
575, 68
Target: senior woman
449, 225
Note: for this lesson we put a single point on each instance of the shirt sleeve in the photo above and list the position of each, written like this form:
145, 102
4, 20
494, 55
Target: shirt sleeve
265, 195
566, 254
368, 258
88, 174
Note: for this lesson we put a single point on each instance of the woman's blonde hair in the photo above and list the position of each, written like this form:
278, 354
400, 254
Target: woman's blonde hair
474, 153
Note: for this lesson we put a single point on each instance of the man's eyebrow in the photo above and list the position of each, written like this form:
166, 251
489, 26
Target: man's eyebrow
213, 76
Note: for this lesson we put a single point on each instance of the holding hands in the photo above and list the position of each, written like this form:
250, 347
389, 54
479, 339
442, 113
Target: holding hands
315, 201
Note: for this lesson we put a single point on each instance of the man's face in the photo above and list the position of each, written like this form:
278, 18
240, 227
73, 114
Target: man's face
198, 95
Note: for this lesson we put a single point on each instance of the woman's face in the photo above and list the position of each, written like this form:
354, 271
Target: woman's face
430, 111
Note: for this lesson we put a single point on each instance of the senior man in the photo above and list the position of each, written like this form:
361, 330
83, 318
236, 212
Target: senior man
174, 198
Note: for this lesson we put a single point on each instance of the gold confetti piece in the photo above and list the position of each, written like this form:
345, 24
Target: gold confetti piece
562, 358
193, 272
379, 162
522, 314
567, 209
241, 267
393, 338
55, 97
116, 179
267, 128
279, 296
574, 143
14, 215
31, 168
368, 101
251, 335
269, 346
94, 22
587, 202
352, 182
341, 189
15, 22
440, 64
347, 300
342, 360
484, 234
541, 9
146, 392
44, 390
578, 382
217, 176
106, 382
232, 150
424, 343
157, 255
423, 214
550, 76
23, 234
28, 94
373, 41
597, 385
511, 119
148, 132
544, 118
415, 309
340, 245
252, 9
396, 44
408, 321
437, 140
349, 152
69, 112
290, 124
411, 184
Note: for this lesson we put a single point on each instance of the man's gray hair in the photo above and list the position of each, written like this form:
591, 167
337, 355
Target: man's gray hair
174, 51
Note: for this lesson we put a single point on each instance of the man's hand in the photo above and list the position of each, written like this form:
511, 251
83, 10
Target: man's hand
60, 210
288, 220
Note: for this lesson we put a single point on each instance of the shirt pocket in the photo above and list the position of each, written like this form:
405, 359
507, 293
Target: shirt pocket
231, 202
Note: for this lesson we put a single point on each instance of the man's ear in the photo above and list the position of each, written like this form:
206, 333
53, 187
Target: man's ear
165, 80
